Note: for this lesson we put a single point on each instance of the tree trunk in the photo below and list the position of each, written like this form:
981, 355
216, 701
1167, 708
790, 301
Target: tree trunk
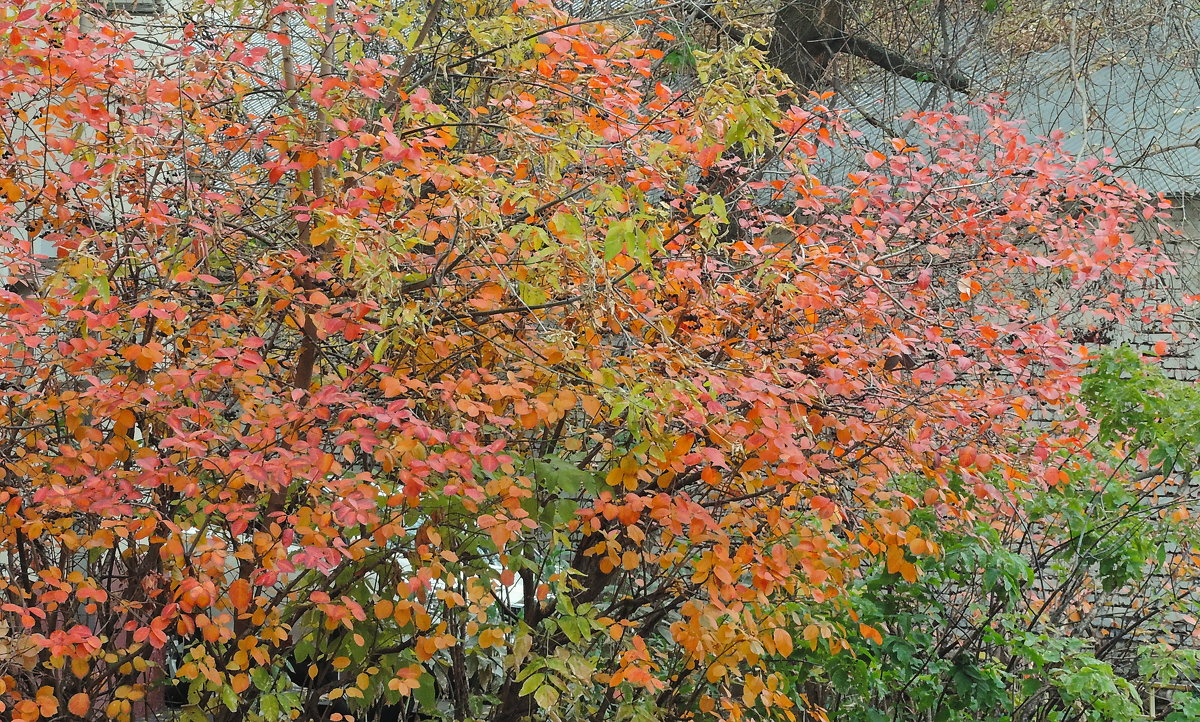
806, 31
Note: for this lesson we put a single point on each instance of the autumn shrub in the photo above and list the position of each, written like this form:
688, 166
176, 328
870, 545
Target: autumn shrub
1078, 604
440, 357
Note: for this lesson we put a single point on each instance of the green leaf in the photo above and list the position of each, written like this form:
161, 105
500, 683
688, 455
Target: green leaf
718, 209
425, 694
270, 708
567, 225
618, 237
261, 678
103, 288
564, 510
192, 713
574, 628
535, 681
557, 475
229, 698
530, 294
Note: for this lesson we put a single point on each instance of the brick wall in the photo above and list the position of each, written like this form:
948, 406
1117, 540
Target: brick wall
1183, 357
1110, 614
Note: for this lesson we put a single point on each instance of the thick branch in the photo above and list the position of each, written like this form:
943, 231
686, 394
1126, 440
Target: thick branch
902, 65
808, 33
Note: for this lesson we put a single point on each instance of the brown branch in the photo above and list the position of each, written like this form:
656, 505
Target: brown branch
902, 65
1152, 151
839, 41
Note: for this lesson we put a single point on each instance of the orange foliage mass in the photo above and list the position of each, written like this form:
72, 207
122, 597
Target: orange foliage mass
528, 353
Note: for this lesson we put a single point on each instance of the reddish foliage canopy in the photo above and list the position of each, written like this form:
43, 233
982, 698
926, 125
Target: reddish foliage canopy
432, 354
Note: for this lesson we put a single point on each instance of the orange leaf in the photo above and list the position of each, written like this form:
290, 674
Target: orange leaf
708, 155
79, 704
870, 633
715, 673
591, 405
144, 357
383, 609
683, 444
240, 595
123, 420
783, 642
307, 159
391, 386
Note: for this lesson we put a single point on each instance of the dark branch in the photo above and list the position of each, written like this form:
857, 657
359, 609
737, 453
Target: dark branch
816, 43
904, 66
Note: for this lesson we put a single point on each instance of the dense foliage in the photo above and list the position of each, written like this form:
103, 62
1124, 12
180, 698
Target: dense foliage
1079, 605
452, 359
